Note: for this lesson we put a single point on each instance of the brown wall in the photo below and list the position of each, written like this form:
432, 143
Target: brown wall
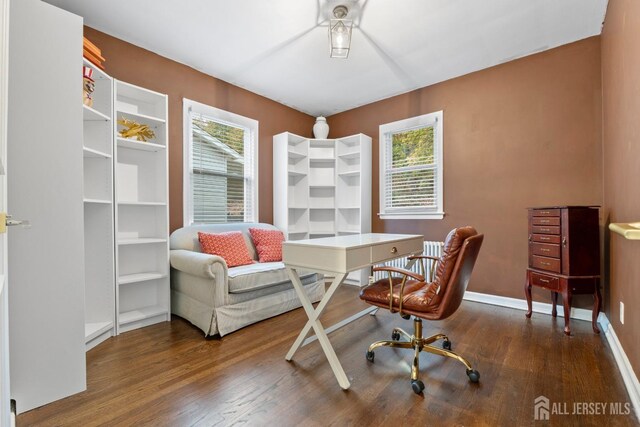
141, 67
621, 142
525, 133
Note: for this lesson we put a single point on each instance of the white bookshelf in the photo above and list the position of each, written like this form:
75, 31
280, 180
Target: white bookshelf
141, 211
98, 211
322, 188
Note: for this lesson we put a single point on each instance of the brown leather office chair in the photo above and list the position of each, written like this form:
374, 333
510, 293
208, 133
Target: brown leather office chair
435, 299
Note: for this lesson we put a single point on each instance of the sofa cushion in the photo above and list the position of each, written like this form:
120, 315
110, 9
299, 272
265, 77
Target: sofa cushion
230, 246
248, 278
187, 237
268, 244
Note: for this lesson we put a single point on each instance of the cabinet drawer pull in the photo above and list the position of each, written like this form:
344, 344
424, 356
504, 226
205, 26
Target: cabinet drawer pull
545, 250
544, 280
394, 250
544, 229
544, 212
544, 238
544, 221
545, 263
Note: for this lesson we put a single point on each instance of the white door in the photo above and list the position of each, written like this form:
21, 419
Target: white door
45, 185
5, 417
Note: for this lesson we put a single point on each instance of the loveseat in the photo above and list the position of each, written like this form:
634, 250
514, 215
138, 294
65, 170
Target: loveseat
220, 300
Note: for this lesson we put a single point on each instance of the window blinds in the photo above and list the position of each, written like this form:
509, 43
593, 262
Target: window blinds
222, 168
410, 171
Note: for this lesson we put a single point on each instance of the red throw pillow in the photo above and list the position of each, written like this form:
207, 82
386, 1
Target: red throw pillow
268, 244
231, 246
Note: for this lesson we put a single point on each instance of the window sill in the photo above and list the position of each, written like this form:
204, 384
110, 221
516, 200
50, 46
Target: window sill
430, 215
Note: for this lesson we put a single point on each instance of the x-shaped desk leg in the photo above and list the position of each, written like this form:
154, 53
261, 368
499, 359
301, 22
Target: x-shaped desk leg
314, 322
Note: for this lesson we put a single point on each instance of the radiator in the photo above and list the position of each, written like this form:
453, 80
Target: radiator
430, 249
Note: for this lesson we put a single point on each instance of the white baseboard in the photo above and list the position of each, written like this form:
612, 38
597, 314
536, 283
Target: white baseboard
628, 375
521, 304
624, 366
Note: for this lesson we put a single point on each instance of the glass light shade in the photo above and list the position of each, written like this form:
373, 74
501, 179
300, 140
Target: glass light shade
340, 38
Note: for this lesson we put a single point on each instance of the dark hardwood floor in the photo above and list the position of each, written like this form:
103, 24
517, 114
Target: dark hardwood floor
168, 374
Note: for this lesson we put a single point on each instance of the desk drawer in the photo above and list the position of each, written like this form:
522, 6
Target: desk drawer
544, 249
544, 220
545, 238
387, 251
545, 212
542, 280
545, 229
545, 263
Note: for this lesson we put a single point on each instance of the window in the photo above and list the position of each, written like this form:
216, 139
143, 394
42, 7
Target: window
411, 168
220, 166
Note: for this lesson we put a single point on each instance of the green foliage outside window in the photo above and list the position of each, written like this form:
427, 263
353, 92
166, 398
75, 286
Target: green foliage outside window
412, 177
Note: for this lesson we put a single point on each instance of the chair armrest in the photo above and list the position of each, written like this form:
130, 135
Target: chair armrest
434, 261
408, 273
434, 258
196, 263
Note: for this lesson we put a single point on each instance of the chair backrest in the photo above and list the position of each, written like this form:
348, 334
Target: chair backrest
460, 276
442, 297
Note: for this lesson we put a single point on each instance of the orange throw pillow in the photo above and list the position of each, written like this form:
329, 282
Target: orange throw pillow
231, 246
268, 244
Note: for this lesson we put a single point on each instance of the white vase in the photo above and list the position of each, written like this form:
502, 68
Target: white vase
321, 128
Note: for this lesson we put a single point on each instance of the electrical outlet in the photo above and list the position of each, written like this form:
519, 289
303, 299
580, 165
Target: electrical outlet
621, 312
370, 280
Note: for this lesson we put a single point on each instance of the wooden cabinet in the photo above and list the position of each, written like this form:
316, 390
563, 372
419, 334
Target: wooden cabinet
564, 256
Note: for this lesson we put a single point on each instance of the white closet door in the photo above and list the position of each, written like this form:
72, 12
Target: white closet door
46, 261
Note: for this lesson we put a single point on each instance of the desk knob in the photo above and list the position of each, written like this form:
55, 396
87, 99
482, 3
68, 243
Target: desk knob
394, 250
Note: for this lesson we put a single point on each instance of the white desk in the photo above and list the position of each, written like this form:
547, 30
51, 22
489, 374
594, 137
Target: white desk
339, 256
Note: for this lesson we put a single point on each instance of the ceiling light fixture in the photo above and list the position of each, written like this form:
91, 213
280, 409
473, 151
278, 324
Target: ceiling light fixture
340, 33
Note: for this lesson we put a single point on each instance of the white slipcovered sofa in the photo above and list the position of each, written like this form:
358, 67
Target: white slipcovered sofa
220, 300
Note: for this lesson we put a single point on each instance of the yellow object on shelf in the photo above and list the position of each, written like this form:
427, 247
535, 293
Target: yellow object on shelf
630, 230
135, 130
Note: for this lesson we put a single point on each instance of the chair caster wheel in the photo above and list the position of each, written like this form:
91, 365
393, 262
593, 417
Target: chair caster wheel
417, 386
395, 335
474, 376
446, 345
370, 356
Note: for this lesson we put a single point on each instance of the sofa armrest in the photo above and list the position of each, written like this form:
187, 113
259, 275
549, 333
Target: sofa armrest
197, 263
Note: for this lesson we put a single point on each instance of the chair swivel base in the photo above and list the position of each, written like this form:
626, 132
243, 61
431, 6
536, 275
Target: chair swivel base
417, 343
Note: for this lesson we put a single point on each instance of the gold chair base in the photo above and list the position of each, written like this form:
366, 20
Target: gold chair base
417, 343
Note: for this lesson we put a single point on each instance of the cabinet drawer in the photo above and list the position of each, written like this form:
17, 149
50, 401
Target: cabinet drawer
545, 249
387, 251
545, 229
545, 212
543, 220
545, 238
545, 263
542, 280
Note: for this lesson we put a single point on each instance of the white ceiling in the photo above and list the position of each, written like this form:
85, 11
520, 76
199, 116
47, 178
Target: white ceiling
279, 48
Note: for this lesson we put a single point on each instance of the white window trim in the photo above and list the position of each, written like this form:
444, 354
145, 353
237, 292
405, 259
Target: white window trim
432, 119
189, 105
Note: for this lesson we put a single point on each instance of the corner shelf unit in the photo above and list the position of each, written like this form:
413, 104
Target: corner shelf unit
322, 188
141, 211
98, 211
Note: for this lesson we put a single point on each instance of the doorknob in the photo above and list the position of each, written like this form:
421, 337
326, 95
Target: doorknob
6, 221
